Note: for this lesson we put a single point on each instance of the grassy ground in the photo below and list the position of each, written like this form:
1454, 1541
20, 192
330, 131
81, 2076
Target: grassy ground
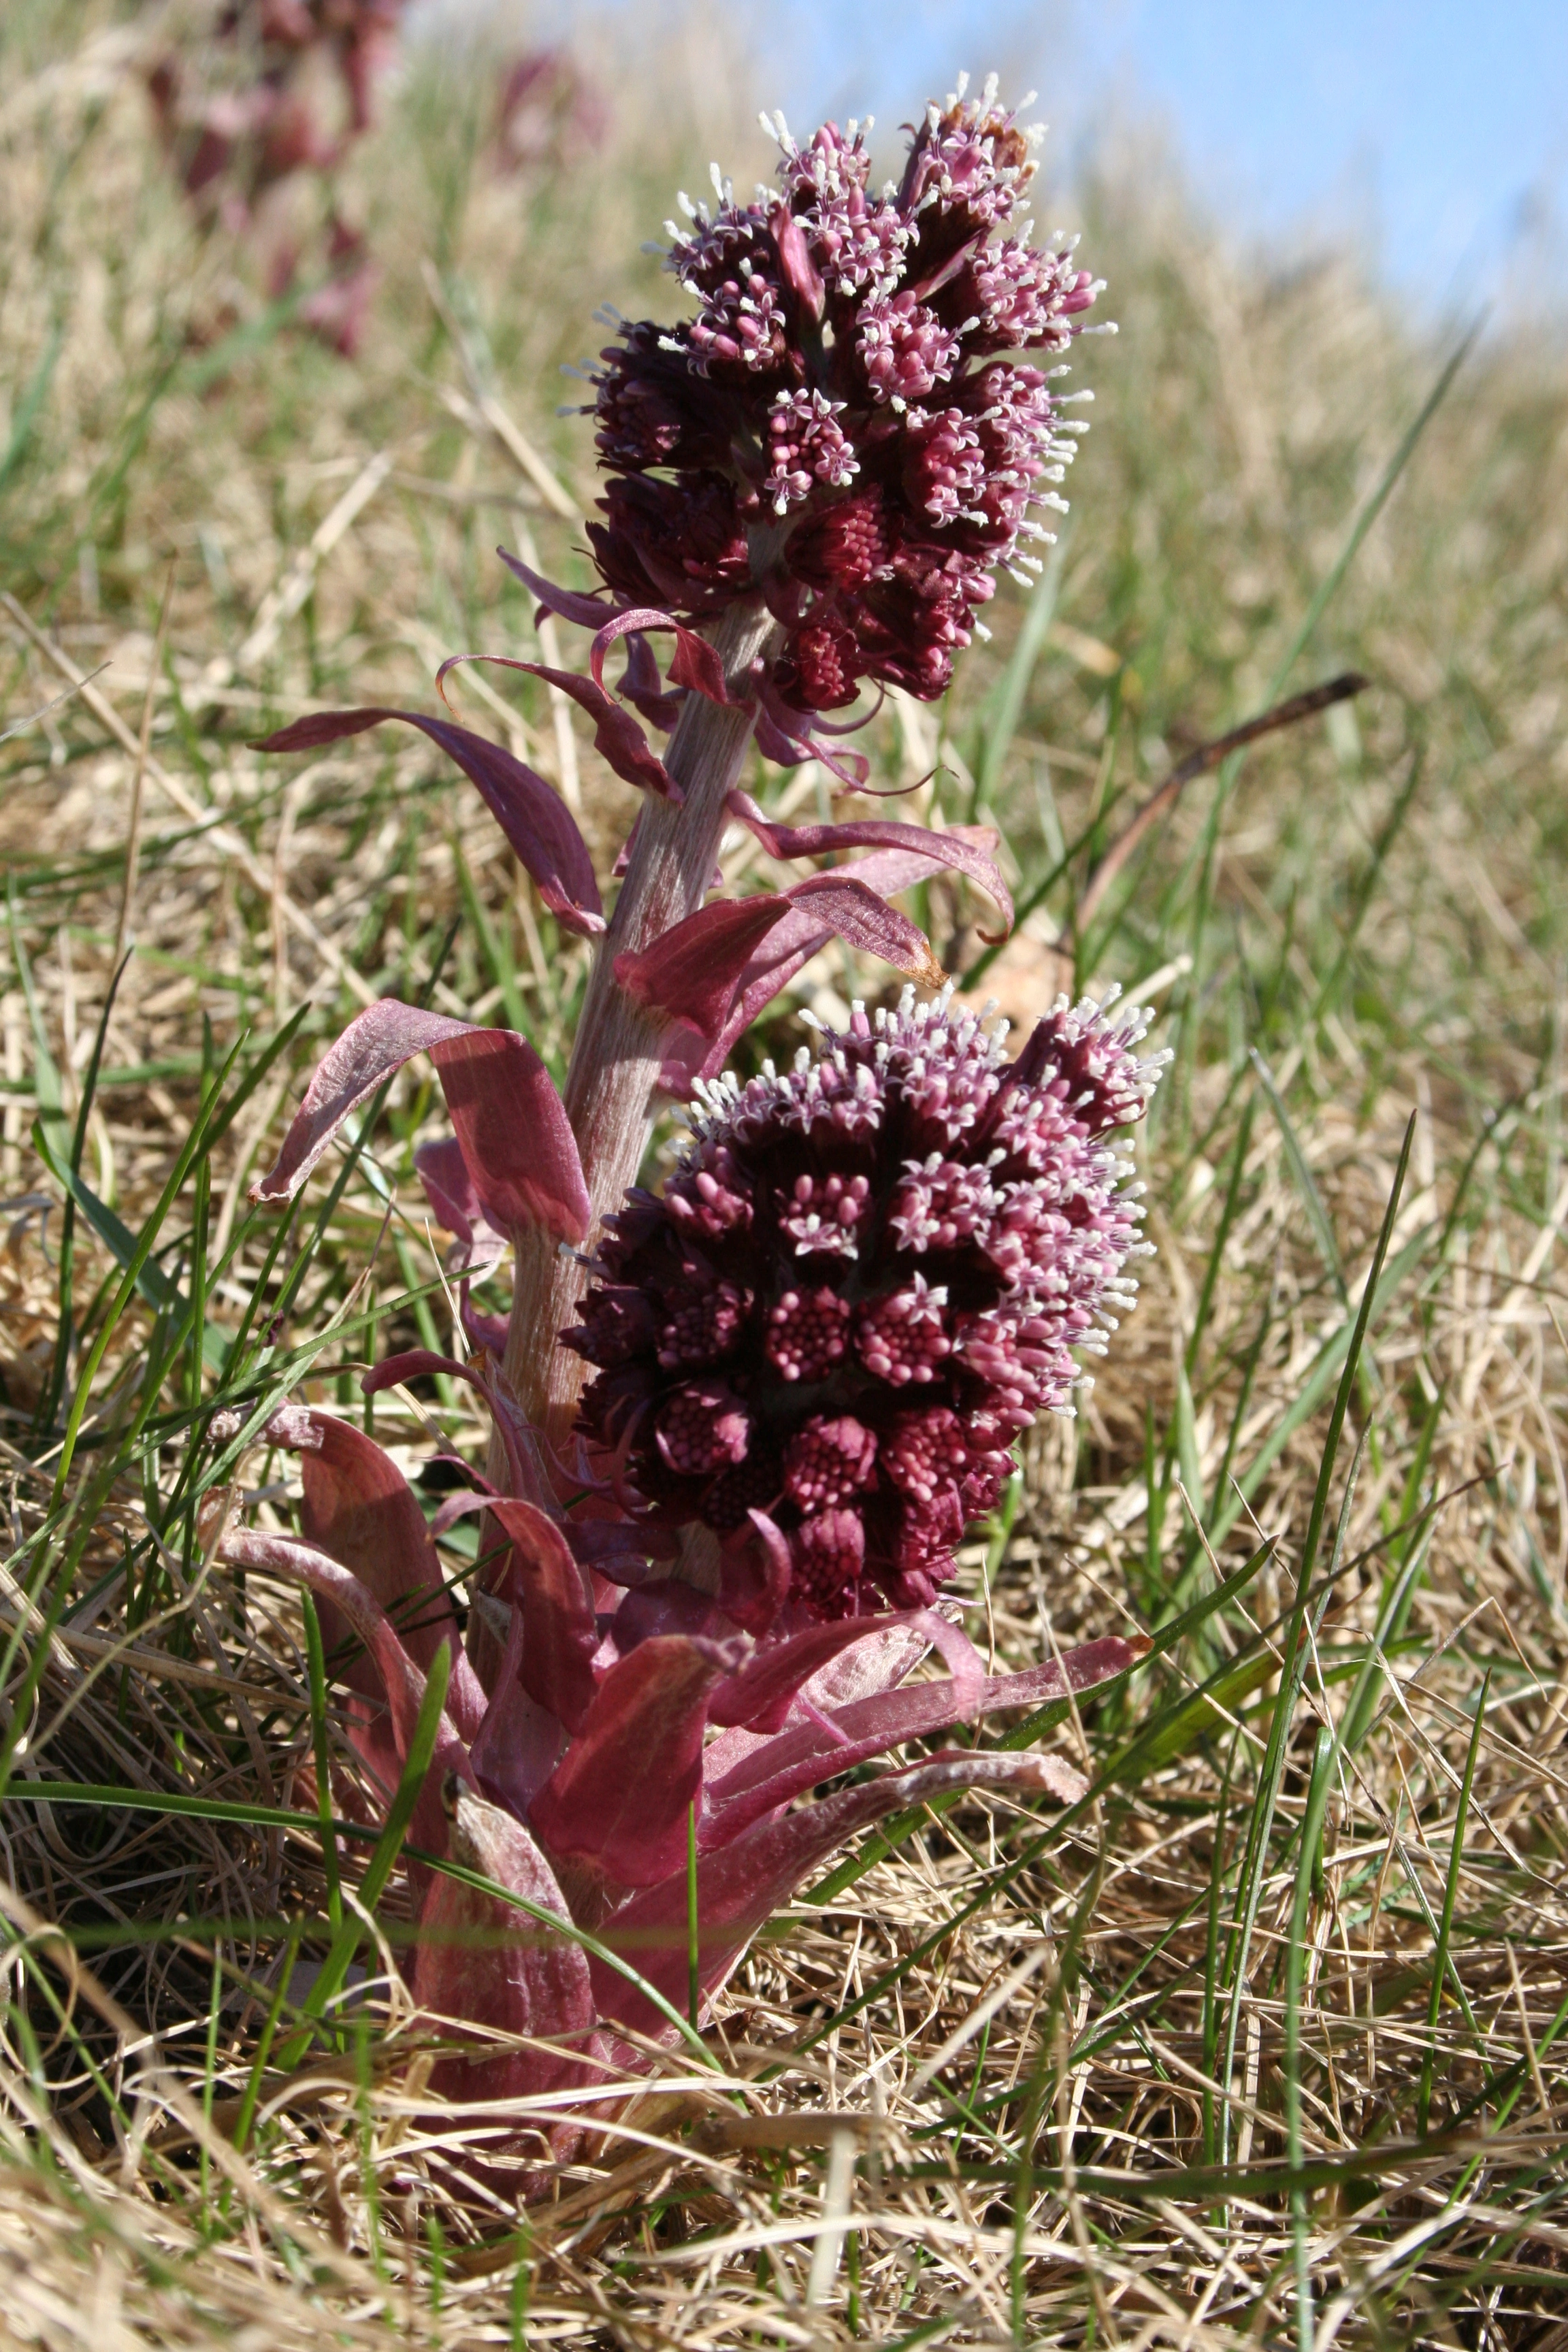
1264, 2041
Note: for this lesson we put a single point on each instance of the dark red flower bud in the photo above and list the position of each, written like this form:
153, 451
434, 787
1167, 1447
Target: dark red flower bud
827, 1462
829, 1556
819, 669
807, 1332
703, 1428
701, 1325
664, 542
841, 547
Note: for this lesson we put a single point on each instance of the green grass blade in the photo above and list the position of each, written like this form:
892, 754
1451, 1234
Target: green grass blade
388, 1846
316, 1661
1319, 1788
160, 1290
252, 2092
1331, 1358
196, 1142
29, 406
1446, 1924
693, 1925
1372, 508
1306, 1183
1249, 1888
1011, 693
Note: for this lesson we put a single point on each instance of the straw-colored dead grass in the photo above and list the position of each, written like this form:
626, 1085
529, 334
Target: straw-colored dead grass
979, 2092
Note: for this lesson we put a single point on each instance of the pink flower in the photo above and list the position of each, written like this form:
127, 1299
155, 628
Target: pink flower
808, 445
812, 1354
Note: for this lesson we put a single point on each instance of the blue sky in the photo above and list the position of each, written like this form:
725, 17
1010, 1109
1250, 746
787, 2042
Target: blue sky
1435, 135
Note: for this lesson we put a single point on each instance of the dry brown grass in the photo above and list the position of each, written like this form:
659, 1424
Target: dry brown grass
976, 2094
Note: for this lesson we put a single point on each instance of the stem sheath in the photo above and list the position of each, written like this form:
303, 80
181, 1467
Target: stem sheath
615, 1059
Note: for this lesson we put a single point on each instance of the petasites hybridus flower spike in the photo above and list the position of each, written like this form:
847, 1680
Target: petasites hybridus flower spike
864, 1280
293, 90
700, 1592
843, 425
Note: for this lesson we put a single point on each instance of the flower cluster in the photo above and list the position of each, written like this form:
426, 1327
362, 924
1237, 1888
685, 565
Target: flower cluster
863, 1281
836, 427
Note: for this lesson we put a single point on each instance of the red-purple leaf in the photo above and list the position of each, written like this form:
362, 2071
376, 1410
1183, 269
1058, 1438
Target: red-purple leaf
533, 818
520, 1742
483, 1962
755, 1578
818, 725
559, 1634
375, 1043
583, 611
359, 1507
740, 1886
784, 750
619, 1550
883, 1661
456, 1206
344, 1599
522, 1442
790, 946
667, 1605
418, 1363
642, 685
526, 1451
744, 1783
617, 1800
515, 1134
864, 920
348, 1598
891, 871
361, 1511
515, 1137
760, 1694
851, 768
692, 971
789, 738
618, 737
954, 849
456, 1505
696, 662
486, 1334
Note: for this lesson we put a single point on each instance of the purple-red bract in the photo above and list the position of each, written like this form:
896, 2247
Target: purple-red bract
587, 1723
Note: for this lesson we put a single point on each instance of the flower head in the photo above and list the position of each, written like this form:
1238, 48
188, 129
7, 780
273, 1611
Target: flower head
834, 416
864, 1280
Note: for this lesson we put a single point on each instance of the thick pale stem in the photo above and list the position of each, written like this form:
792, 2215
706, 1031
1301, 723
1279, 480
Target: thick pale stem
617, 1055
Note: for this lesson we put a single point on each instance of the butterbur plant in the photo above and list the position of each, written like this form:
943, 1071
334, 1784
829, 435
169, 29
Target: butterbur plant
276, 98
742, 1424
